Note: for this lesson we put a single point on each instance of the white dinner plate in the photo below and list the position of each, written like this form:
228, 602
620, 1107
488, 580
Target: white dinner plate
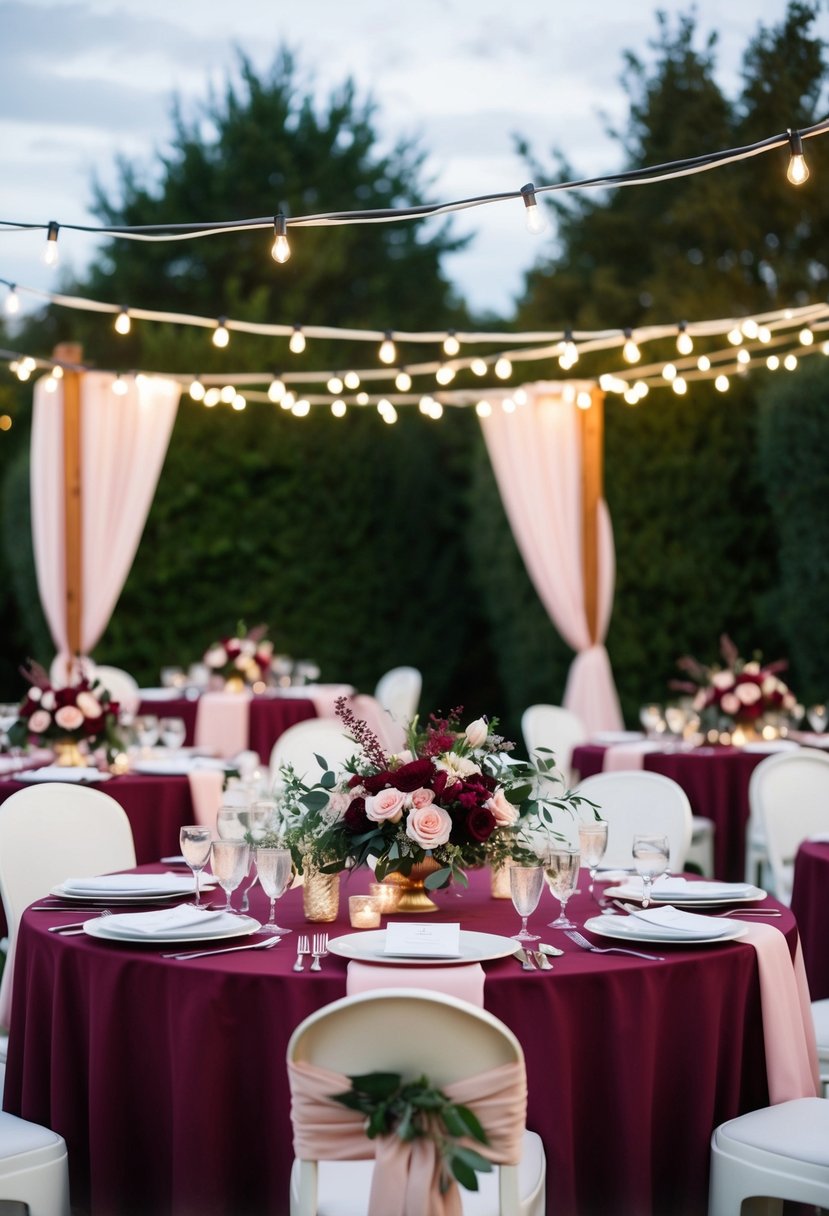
176, 766
629, 929
244, 926
606, 738
742, 894
56, 772
161, 694
368, 947
170, 887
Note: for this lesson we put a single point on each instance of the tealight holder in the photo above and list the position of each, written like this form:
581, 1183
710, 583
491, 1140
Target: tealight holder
386, 896
363, 912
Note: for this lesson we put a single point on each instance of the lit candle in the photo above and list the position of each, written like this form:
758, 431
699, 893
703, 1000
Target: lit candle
363, 912
386, 895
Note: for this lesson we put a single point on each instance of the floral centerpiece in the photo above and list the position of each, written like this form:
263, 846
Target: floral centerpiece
245, 657
453, 799
82, 712
746, 694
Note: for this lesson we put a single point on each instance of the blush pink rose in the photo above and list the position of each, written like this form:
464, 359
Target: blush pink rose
723, 680
68, 717
421, 797
39, 722
748, 693
429, 826
476, 732
385, 806
89, 705
502, 809
730, 704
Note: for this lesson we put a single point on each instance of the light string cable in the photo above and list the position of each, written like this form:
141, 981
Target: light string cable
631, 177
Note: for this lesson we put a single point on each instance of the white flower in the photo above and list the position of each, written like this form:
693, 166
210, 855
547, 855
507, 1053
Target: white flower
723, 680
35, 693
248, 647
337, 806
770, 685
752, 668
216, 657
456, 766
476, 732
47, 701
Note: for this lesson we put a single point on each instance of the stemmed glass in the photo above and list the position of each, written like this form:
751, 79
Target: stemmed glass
650, 856
592, 846
229, 860
652, 719
8, 717
818, 716
273, 867
173, 732
146, 730
195, 844
525, 884
561, 869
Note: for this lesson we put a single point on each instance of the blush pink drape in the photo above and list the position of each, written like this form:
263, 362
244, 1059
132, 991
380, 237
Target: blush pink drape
536, 457
123, 445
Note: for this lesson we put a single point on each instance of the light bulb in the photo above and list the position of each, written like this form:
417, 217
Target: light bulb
764, 333
335, 385
569, 354
451, 345
196, 390
119, 386
790, 362
735, 336
12, 302
584, 400
508, 405
280, 250
212, 397
50, 384
743, 356
227, 393
630, 351
276, 390
297, 343
425, 405
772, 363
680, 386
478, 367
824, 348
641, 389
445, 374
704, 363
351, 380
239, 402
750, 328
402, 381
806, 337
23, 371
50, 252
721, 384
286, 401
123, 324
483, 409
684, 341
798, 170
362, 398
338, 409
221, 337
57, 372
533, 215
301, 408
387, 352
669, 372
503, 368
631, 396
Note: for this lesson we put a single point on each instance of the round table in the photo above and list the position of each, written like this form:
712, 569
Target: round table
268, 717
168, 1078
810, 904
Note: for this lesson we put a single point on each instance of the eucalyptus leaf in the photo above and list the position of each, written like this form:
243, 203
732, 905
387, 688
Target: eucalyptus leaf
438, 878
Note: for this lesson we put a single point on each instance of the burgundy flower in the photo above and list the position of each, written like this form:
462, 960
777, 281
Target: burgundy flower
355, 818
480, 824
415, 775
378, 782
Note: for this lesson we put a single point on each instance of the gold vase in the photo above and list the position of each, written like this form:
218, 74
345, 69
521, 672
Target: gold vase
413, 896
320, 896
68, 754
234, 684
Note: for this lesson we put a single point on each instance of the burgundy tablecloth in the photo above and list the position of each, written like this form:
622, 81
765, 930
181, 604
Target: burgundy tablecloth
168, 1079
268, 718
716, 782
810, 905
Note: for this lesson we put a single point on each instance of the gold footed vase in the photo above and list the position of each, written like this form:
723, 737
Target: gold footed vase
68, 754
413, 897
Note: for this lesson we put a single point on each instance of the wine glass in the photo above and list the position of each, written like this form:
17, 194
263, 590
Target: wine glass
229, 823
561, 869
172, 677
8, 717
229, 860
592, 846
818, 716
173, 732
273, 867
195, 844
650, 856
652, 720
525, 885
146, 730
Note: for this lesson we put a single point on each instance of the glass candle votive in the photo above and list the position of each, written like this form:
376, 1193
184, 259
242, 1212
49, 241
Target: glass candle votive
386, 896
363, 912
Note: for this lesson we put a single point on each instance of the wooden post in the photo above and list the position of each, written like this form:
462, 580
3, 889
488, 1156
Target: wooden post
70, 352
592, 491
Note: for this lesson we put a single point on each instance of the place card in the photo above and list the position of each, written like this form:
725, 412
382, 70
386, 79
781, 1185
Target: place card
416, 940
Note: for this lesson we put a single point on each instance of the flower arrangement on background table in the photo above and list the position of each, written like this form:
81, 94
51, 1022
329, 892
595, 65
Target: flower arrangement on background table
247, 656
82, 712
746, 695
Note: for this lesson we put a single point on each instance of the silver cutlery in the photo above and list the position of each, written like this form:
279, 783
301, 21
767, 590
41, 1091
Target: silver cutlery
524, 959
542, 962
263, 945
303, 947
749, 912
581, 940
553, 951
77, 926
319, 950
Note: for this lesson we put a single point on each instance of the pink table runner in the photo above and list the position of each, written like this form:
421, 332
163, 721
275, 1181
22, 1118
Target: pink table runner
466, 982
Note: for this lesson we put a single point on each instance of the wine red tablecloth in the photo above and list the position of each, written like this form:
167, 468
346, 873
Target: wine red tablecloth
716, 782
810, 905
168, 1079
268, 718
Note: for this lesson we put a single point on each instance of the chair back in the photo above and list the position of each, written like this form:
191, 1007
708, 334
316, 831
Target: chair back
633, 802
556, 728
789, 795
121, 686
398, 691
301, 743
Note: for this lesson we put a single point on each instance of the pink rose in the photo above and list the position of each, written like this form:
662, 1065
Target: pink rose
387, 805
47, 699
730, 704
723, 680
89, 705
216, 657
39, 722
68, 717
429, 826
748, 693
420, 798
502, 809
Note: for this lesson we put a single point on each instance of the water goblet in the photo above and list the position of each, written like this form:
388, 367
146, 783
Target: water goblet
650, 856
818, 716
195, 842
561, 869
173, 732
146, 730
172, 677
592, 846
525, 884
229, 861
652, 719
273, 867
229, 824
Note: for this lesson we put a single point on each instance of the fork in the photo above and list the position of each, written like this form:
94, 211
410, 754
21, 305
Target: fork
267, 944
582, 941
750, 912
77, 926
319, 950
303, 947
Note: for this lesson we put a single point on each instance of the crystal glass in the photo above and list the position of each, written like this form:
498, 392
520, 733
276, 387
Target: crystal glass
818, 716
592, 846
229, 824
650, 856
525, 884
652, 719
273, 867
195, 844
173, 732
173, 677
146, 730
676, 719
8, 717
561, 869
229, 860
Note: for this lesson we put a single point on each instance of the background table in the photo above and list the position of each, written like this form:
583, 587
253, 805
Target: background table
810, 905
268, 717
168, 1079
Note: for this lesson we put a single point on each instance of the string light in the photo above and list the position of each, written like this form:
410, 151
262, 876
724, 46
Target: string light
50, 251
735, 336
239, 402
297, 343
790, 362
276, 390
704, 363
798, 170
669, 372
503, 368
301, 408
451, 345
387, 353
280, 250
362, 398
533, 215
387, 411
743, 356
764, 333
772, 363
584, 400
196, 390
287, 400
123, 324
212, 397
806, 337
228, 392
403, 381
335, 385
478, 367
445, 374
50, 384
825, 348
721, 384
508, 405
630, 351
569, 356
351, 380
338, 408
12, 301
221, 336
483, 409
750, 328
680, 386
684, 341
119, 386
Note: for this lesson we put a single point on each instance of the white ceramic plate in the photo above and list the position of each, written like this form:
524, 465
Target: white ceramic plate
74, 776
606, 738
245, 926
176, 766
629, 929
161, 694
368, 947
753, 895
138, 895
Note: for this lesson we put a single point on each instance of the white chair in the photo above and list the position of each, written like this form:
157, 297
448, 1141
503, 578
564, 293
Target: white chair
780, 1152
48, 833
820, 1016
558, 729
121, 686
301, 743
633, 801
789, 798
434, 1035
398, 691
701, 849
34, 1168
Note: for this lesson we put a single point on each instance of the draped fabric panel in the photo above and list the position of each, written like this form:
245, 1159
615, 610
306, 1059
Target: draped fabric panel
124, 441
536, 457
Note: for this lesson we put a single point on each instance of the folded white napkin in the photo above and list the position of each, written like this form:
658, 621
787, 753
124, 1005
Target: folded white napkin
59, 772
129, 884
681, 924
608, 737
170, 920
671, 886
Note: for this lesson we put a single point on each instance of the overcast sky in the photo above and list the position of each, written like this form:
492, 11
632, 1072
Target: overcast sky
86, 80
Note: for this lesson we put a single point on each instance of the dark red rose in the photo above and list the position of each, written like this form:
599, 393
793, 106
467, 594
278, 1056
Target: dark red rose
355, 818
480, 824
415, 775
470, 797
440, 781
378, 782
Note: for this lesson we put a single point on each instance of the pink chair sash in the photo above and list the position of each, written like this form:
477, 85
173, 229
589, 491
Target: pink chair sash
465, 982
222, 722
406, 1177
206, 794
